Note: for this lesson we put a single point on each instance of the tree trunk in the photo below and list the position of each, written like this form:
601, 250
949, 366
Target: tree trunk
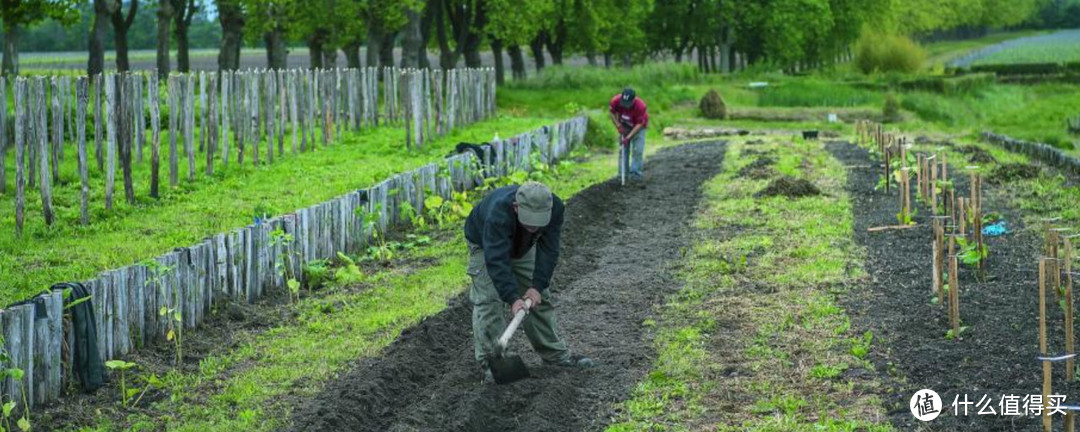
386, 49
352, 54
11, 50
276, 56
591, 57
445, 54
555, 44
374, 39
426, 21
102, 17
410, 42
232, 30
121, 25
164, 24
315, 55
497, 51
537, 47
517, 62
329, 59
607, 60
185, 11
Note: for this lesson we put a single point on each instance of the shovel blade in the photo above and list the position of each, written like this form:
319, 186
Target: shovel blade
508, 369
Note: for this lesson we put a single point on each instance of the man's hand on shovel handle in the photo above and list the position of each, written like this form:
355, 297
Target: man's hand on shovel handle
518, 305
534, 295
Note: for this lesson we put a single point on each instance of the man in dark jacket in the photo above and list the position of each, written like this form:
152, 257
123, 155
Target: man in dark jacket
513, 239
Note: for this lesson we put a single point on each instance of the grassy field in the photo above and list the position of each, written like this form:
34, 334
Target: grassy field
1062, 46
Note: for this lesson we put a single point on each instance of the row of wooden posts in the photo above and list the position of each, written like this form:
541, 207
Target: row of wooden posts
1054, 263
949, 213
242, 265
1055, 274
230, 113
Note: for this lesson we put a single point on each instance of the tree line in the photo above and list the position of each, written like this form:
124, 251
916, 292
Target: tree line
781, 33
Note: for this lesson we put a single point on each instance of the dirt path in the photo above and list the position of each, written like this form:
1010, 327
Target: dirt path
997, 354
617, 247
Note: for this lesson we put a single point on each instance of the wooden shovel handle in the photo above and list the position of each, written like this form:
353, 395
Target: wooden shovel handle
510, 329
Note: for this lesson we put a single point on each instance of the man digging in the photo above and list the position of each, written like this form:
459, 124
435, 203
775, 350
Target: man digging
513, 239
631, 118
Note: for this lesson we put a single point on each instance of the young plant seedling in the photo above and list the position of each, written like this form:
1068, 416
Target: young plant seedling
122, 367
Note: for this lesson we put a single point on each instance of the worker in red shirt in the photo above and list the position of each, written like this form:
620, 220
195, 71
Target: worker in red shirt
631, 118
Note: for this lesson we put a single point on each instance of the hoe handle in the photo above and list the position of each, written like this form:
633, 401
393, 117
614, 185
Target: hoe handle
510, 329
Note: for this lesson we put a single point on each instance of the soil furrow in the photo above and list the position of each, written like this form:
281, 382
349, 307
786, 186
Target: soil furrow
618, 246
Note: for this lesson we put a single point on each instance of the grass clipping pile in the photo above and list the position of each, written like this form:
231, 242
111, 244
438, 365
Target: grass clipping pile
790, 187
759, 169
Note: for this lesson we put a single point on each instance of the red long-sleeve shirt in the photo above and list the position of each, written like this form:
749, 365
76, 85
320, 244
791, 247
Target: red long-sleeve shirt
633, 115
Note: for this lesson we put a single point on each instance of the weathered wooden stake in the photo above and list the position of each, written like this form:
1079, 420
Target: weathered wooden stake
45, 185
124, 123
954, 289
81, 99
189, 122
174, 130
155, 143
20, 154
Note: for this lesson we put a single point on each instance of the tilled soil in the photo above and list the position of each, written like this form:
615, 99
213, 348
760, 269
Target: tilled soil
614, 268
996, 355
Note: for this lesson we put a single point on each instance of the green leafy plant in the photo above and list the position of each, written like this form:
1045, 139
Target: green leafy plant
408, 212
970, 253
348, 273
122, 367
950, 335
284, 267
369, 220
860, 346
906, 219
316, 273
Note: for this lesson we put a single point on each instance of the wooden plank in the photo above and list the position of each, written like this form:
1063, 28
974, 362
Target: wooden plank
138, 116
202, 110
44, 181
174, 131
12, 321
135, 307
226, 94
110, 141
20, 154
270, 85
40, 317
155, 138
221, 260
252, 115
251, 267
124, 122
209, 136
81, 99
54, 361
57, 131
99, 119
121, 329
290, 78
26, 362
189, 122
3, 135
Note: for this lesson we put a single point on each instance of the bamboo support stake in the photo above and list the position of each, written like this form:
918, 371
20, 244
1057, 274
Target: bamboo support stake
939, 260
1046, 420
1070, 364
954, 289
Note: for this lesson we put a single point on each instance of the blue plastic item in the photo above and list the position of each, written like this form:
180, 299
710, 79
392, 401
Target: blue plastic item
995, 229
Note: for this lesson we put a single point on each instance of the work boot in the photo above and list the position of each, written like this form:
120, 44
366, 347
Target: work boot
573, 361
486, 370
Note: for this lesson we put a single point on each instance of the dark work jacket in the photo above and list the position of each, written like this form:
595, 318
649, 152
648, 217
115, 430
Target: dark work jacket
87, 364
493, 225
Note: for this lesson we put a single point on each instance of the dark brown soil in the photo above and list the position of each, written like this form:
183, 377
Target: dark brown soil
789, 187
996, 356
618, 245
759, 169
1010, 172
977, 155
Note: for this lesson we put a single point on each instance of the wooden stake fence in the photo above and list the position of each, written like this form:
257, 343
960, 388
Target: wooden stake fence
241, 264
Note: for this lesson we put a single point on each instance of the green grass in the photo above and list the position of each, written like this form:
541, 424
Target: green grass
1062, 46
942, 52
292, 361
755, 340
200, 208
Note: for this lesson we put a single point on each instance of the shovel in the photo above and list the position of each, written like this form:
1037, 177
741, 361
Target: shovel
507, 369
622, 167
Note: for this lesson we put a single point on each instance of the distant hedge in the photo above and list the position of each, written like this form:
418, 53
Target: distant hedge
950, 85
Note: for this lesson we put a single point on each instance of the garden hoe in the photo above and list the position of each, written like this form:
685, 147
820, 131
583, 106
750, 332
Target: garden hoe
507, 369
